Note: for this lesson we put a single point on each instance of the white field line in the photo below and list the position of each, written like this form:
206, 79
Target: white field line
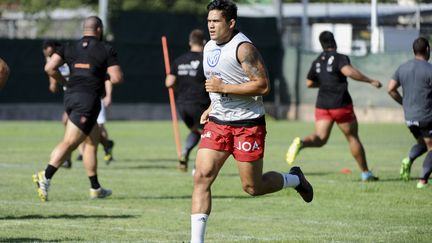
63, 204
85, 226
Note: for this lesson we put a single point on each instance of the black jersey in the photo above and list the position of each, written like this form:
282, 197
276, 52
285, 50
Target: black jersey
333, 85
88, 60
190, 79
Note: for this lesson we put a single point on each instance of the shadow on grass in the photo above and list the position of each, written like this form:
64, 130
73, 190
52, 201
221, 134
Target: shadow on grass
162, 167
22, 239
307, 174
397, 179
127, 160
188, 197
319, 173
66, 216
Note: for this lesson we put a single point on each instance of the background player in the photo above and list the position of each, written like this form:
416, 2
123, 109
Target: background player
415, 78
48, 48
329, 73
187, 77
89, 59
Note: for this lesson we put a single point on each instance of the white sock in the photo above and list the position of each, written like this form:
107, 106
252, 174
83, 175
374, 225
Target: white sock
198, 224
290, 180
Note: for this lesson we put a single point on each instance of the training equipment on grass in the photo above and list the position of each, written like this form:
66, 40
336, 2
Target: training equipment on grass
171, 98
345, 171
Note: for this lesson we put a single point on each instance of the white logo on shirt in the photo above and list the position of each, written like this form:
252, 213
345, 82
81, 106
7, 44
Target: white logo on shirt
213, 57
330, 64
195, 64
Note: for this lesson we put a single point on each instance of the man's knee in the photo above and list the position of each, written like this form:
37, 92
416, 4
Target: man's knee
202, 179
90, 147
321, 140
71, 145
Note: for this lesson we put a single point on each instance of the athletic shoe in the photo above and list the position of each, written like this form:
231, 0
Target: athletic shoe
293, 150
304, 188
99, 193
67, 164
405, 169
42, 185
108, 158
421, 184
79, 157
182, 164
368, 176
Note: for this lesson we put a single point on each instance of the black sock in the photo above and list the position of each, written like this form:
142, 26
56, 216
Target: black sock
50, 171
191, 141
427, 167
416, 151
94, 182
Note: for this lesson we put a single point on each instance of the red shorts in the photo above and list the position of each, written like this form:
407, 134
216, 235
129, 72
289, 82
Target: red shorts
246, 144
340, 115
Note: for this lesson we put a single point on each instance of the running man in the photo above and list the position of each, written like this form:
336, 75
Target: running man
90, 60
48, 48
235, 123
417, 106
187, 77
329, 73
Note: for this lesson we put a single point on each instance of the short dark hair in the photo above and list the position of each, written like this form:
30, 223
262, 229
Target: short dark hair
228, 8
92, 23
196, 37
421, 46
50, 43
327, 40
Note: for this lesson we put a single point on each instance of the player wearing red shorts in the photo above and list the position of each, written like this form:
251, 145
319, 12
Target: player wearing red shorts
235, 122
329, 73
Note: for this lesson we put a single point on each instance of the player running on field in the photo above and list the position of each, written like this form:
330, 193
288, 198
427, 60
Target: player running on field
89, 60
235, 123
415, 78
329, 74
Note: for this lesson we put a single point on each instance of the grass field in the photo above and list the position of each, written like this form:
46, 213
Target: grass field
151, 199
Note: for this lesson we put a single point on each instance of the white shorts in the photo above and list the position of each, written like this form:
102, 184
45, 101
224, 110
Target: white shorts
102, 114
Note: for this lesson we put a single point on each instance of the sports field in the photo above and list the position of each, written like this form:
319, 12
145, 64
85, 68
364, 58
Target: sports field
151, 199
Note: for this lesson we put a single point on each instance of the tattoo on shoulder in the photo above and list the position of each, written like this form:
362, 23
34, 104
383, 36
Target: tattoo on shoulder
252, 62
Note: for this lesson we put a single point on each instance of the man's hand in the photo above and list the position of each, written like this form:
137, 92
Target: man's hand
214, 85
107, 101
376, 83
205, 116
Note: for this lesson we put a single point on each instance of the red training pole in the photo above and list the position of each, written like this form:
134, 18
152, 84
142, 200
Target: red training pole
171, 98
